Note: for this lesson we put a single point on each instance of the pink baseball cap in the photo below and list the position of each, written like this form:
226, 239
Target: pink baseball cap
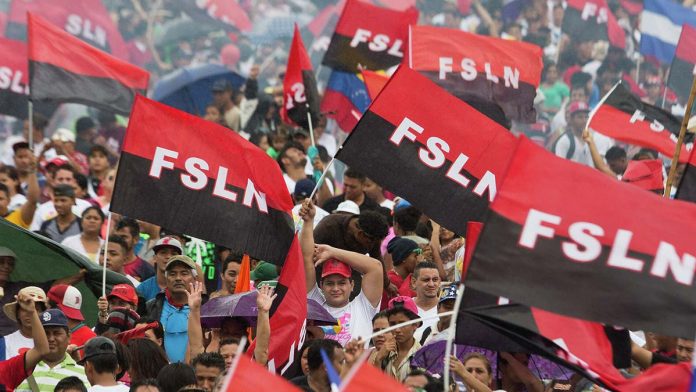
68, 299
404, 302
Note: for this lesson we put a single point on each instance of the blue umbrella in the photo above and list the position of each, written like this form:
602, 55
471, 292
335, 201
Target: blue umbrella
189, 89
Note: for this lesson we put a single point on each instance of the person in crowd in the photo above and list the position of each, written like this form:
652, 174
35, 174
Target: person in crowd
445, 304
70, 384
175, 376
57, 363
617, 160
25, 163
39, 124
129, 230
122, 296
99, 168
171, 308
400, 310
383, 345
317, 380
9, 176
146, 359
101, 365
228, 350
63, 142
111, 134
85, 131
59, 175
375, 192
263, 272
69, 300
88, 243
147, 385
14, 370
420, 380
406, 219
474, 371
223, 94
164, 249
426, 280
65, 223
23, 214
115, 257
353, 190
208, 366
554, 90
22, 338
571, 145
229, 270
336, 282
357, 233
212, 114
405, 254
303, 189
292, 159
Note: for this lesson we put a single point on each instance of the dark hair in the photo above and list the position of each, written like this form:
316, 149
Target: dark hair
12, 172
158, 330
118, 240
147, 359
94, 208
106, 117
81, 180
176, 376
66, 167
226, 341
104, 363
40, 121
421, 372
4, 188
257, 137
482, 358
615, 152
283, 151
84, 123
373, 224
352, 173
70, 383
314, 359
407, 218
233, 257
645, 153
98, 148
423, 265
20, 146
131, 224
379, 315
148, 382
214, 360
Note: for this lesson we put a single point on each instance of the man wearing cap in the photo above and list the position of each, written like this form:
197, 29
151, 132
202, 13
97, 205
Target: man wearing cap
303, 189
56, 364
571, 145
63, 174
171, 308
64, 144
402, 309
69, 299
122, 296
405, 255
445, 304
16, 369
101, 364
22, 338
65, 224
336, 282
164, 249
223, 99
264, 271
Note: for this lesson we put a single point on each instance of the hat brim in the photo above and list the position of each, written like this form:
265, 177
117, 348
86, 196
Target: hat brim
162, 246
71, 313
10, 310
123, 298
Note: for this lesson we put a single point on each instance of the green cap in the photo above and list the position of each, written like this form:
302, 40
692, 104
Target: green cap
264, 271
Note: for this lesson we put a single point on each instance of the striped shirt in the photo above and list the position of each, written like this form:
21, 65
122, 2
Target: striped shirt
47, 378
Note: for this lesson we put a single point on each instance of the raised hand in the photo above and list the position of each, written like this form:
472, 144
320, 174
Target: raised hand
26, 302
323, 253
264, 299
307, 211
195, 295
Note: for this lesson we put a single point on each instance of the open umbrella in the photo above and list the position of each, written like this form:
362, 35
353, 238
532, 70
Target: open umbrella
243, 305
189, 89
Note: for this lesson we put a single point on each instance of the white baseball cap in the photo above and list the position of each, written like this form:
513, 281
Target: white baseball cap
348, 206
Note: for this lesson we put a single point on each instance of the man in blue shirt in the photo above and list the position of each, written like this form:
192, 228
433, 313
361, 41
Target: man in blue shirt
165, 248
171, 306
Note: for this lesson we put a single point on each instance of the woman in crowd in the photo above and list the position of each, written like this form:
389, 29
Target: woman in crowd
10, 177
89, 241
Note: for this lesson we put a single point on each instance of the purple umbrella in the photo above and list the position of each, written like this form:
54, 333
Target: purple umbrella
243, 305
431, 358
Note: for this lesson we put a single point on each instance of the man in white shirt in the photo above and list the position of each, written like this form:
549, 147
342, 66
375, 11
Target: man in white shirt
22, 338
426, 280
64, 174
570, 145
335, 285
101, 365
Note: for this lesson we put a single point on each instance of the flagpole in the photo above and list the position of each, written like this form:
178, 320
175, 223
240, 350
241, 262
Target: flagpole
30, 110
409, 322
450, 339
106, 250
321, 179
680, 140
311, 126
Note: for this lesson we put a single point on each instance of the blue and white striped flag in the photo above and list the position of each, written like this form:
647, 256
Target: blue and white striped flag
334, 378
661, 25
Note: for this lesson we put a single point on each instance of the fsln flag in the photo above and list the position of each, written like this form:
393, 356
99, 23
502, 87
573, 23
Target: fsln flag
300, 94
63, 68
288, 313
14, 78
227, 13
592, 20
456, 157
247, 375
683, 68
202, 180
687, 186
317, 33
584, 231
374, 82
345, 99
660, 25
369, 37
87, 20
623, 116
477, 68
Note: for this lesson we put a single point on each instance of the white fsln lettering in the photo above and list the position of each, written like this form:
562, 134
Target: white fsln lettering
377, 43
582, 234
404, 130
618, 257
159, 162
196, 177
487, 183
533, 227
434, 156
468, 72
667, 260
251, 194
12, 80
220, 186
86, 29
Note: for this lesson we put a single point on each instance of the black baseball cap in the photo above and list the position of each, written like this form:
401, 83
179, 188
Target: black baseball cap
64, 190
98, 346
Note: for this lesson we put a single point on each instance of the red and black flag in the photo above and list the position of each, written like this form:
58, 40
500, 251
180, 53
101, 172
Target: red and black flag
683, 68
62, 68
300, 94
225, 14
196, 177
592, 20
537, 244
374, 82
14, 78
87, 20
319, 30
369, 37
623, 116
687, 186
431, 148
479, 70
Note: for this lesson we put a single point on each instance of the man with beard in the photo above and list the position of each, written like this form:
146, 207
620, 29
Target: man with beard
292, 160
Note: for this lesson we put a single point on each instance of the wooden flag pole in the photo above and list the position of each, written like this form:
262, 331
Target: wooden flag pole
680, 140
106, 251
311, 126
30, 137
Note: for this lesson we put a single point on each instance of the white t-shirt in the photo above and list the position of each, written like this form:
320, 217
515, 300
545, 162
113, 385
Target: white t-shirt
47, 211
581, 154
16, 201
113, 388
355, 319
16, 341
318, 216
290, 183
427, 323
73, 242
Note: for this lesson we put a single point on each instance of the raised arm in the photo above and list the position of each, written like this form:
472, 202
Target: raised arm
195, 331
264, 301
33, 192
371, 269
597, 159
307, 242
38, 334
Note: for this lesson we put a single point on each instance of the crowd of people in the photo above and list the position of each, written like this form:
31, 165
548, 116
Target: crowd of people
371, 259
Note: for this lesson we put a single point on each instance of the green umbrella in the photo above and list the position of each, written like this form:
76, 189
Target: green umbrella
40, 259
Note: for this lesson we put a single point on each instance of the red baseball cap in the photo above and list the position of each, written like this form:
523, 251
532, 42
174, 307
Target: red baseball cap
578, 106
68, 299
333, 266
125, 292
